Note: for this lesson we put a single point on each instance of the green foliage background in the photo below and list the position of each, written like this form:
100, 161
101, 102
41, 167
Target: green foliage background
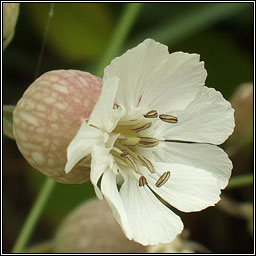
222, 33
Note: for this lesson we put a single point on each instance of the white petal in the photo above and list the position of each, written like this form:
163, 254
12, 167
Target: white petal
80, 146
150, 220
203, 156
208, 119
102, 160
103, 115
135, 68
176, 84
151, 77
111, 194
188, 189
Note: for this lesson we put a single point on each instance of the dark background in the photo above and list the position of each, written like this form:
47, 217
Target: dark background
78, 35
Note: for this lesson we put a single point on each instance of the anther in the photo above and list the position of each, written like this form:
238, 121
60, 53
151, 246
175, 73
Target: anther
163, 179
115, 106
141, 127
128, 140
124, 154
148, 142
125, 158
116, 152
169, 118
142, 181
92, 125
147, 163
130, 162
151, 114
128, 150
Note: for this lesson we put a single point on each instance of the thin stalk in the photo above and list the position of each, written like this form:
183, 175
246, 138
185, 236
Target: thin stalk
240, 181
123, 28
33, 216
44, 40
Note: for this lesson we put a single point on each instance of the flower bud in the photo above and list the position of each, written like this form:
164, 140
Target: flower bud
48, 116
91, 228
179, 245
10, 16
242, 102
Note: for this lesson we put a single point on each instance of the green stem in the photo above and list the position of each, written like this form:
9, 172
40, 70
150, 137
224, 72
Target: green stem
120, 33
240, 181
33, 216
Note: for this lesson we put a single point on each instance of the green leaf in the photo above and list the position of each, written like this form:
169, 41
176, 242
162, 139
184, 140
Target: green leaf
77, 31
240, 181
191, 22
7, 121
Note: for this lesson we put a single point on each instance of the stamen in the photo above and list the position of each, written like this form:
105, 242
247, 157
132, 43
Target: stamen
124, 154
151, 114
115, 106
93, 126
142, 181
125, 158
147, 164
128, 150
148, 142
128, 140
127, 123
131, 162
163, 179
141, 126
169, 119
115, 152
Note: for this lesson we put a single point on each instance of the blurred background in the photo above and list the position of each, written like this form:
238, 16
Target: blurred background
222, 33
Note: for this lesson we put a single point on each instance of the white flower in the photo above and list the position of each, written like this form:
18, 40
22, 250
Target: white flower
151, 103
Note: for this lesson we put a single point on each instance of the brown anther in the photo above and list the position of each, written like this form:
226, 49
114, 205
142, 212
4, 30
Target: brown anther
148, 142
115, 106
141, 127
142, 181
151, 114
128, 150
163, 179
115, 152
169, 118
124, 154
147, 163
93, 126
128, 159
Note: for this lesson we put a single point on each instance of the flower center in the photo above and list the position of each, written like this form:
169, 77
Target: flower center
126, 146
